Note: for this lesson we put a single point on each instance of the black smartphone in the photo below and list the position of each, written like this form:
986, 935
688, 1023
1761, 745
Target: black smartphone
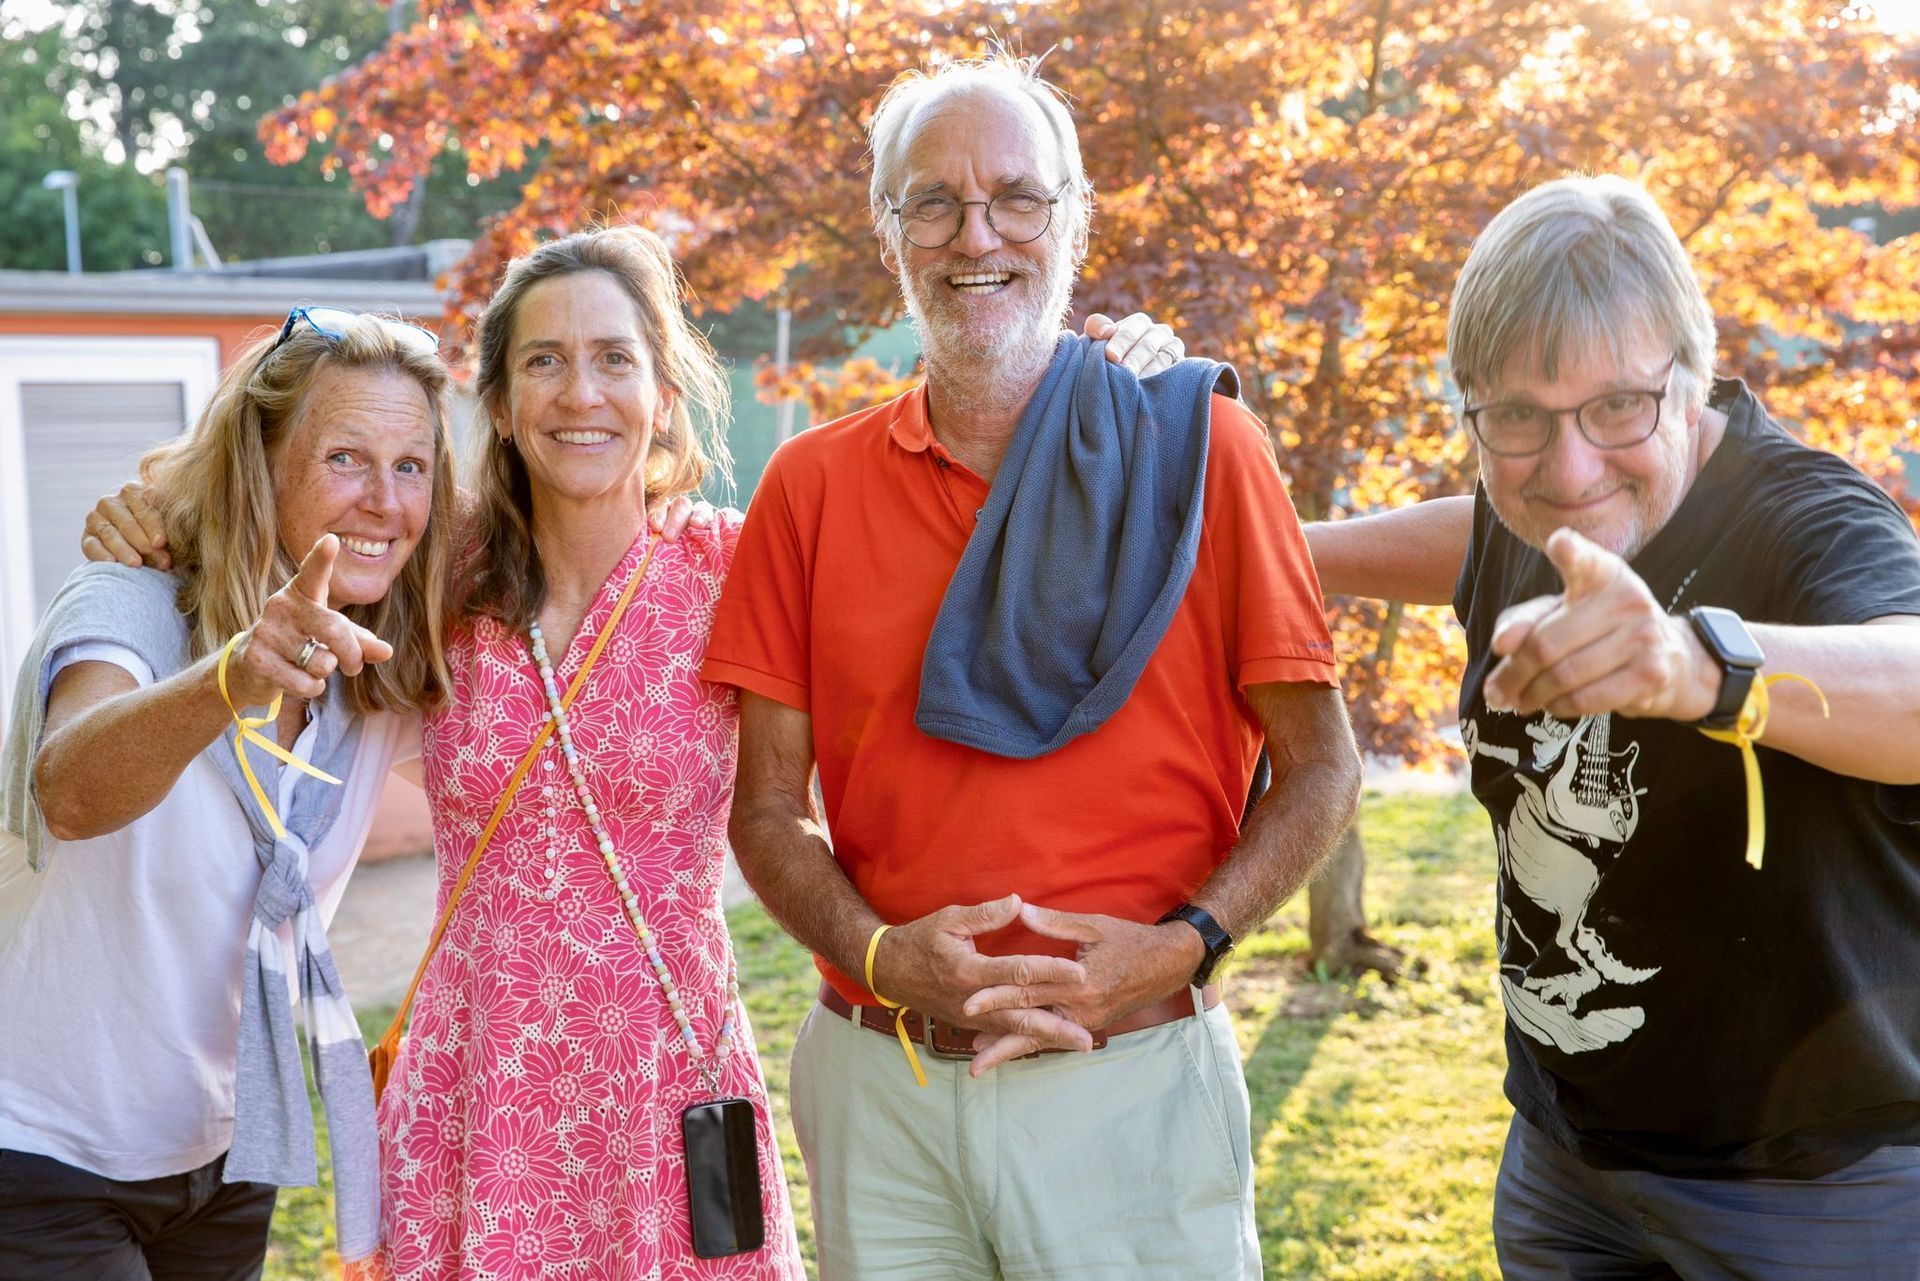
723, 1178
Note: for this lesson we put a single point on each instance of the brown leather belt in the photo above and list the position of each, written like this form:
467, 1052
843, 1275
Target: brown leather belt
951, 1041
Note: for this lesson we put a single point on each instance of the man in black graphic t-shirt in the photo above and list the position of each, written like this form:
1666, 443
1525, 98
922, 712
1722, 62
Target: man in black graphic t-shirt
1715, 1065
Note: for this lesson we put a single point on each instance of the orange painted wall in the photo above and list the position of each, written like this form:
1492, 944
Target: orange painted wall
231, 332
401, 825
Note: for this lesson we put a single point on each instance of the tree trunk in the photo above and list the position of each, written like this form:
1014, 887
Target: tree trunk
1337, 919
406, 219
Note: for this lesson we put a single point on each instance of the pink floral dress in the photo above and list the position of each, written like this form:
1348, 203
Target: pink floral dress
532, 1126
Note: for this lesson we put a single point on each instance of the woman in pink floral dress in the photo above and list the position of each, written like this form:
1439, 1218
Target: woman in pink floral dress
532, 1127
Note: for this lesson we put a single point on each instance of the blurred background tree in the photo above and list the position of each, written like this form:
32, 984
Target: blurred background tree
119, 89
1292, 183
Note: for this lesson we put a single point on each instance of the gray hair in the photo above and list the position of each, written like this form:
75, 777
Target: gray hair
895, 121
1578, 263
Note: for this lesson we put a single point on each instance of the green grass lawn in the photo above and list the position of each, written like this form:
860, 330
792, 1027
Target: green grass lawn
1377, 1113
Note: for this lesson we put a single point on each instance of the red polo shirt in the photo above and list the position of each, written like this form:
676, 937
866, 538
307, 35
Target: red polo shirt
854, 531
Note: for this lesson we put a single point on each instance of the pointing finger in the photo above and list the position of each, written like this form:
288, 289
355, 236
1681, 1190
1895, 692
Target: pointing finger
1584, 565
315, 579
1516, 623
373, 649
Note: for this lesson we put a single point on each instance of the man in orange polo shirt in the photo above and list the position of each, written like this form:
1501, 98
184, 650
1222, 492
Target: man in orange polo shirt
1075, 897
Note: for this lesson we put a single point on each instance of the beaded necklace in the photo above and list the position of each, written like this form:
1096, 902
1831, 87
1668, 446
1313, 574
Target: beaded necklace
709, 1066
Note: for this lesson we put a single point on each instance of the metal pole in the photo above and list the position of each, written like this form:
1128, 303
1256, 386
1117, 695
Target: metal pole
782, 333
71, 199
179, 220
67, 183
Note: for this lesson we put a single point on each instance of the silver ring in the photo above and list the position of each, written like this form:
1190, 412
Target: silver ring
307, 651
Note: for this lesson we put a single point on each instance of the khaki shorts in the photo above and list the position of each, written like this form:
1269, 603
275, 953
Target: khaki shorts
1131, 1161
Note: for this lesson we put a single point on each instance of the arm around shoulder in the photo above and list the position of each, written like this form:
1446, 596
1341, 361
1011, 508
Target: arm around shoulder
1410, 554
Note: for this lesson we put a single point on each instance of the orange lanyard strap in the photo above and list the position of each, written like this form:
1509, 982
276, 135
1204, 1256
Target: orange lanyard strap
387, 1047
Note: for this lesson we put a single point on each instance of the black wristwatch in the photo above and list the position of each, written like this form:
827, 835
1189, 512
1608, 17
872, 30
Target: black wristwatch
1738, 655
1213, 936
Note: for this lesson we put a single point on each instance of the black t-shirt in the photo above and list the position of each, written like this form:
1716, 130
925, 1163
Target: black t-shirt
1668, 1006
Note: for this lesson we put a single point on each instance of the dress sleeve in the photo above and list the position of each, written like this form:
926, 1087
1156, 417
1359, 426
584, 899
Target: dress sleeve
760, 638
1269, 592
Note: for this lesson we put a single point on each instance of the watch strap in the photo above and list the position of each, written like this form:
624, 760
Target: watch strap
1736, 678
1213, 936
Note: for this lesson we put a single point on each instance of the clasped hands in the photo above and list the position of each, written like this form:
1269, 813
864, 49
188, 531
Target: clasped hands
1022, 1004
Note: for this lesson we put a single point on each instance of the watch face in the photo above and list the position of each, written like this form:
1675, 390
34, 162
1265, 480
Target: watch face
1728, 637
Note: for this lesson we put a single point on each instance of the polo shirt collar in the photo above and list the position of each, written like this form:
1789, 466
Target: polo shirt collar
912, 429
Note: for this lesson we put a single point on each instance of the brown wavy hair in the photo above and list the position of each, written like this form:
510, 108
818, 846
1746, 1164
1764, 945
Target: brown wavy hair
502, 577
215, 490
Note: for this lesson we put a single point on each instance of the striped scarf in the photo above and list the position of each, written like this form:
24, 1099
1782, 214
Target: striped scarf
273, 1138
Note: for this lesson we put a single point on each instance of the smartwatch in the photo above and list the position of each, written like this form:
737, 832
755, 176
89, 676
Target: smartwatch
1738, 655
1213, 936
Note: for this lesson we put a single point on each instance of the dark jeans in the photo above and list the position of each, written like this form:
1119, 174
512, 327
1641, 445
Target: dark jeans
62, 1223
1556, 1218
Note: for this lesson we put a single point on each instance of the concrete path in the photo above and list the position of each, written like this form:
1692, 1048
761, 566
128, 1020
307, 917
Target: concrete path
387, 914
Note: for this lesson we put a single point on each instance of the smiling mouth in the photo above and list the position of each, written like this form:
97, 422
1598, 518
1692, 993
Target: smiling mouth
367, 547
583, 437
1574, 504
981, 283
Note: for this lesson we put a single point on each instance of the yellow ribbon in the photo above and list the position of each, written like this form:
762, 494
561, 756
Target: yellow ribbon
899, 1011
246, 729
1746, 731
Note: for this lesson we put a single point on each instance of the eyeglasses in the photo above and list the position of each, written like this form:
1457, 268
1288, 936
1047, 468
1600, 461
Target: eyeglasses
332, 323
1017, 215
1612, 420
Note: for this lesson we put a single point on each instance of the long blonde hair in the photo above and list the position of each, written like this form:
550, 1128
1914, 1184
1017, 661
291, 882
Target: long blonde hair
503, 578
215, 484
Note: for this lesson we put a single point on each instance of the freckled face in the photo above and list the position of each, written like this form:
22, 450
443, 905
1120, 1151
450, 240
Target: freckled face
582, 403
358, 462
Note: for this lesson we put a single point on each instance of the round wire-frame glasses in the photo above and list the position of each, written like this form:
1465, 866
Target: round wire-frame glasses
1017, 215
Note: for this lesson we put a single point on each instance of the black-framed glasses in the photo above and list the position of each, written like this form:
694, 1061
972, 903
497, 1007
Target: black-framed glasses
1617, 419
1017, 215
331, 323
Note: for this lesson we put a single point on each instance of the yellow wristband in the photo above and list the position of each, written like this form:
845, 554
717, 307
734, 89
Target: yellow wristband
246, 729
899, 1010
1746, 731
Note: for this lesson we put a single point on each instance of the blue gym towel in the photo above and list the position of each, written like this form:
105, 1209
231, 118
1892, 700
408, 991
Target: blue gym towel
1079, 559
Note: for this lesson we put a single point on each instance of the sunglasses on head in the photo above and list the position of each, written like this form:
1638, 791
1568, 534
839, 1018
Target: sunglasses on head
331, 323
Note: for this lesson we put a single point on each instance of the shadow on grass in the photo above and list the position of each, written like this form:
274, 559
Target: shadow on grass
1377, 1115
